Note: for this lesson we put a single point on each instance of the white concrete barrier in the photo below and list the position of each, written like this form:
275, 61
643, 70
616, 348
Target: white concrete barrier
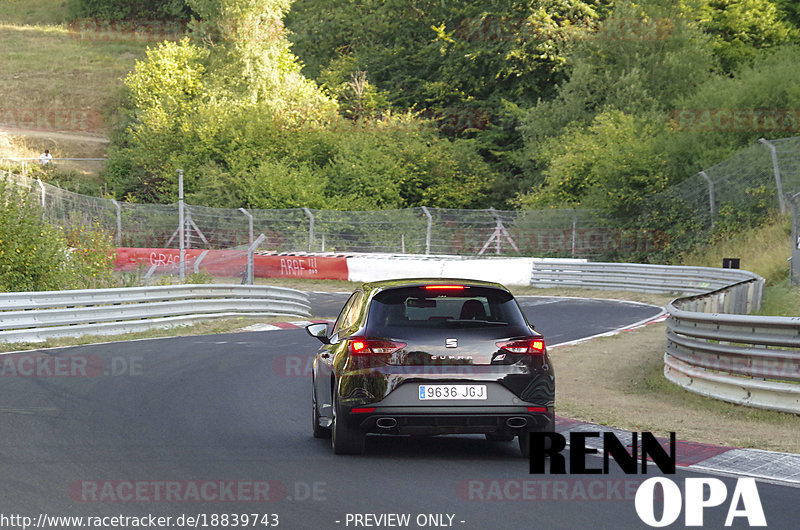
507, 271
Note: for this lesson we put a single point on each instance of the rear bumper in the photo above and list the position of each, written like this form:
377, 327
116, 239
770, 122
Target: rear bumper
403, 412
452, 420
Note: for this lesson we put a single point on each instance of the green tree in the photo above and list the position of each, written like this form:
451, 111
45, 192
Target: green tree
612, 164
764, 96
743, 27
662, 58
236, 63
250, 60
641, 60
464, 64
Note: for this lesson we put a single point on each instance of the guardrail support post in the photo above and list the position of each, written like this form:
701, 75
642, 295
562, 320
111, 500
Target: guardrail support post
795, 259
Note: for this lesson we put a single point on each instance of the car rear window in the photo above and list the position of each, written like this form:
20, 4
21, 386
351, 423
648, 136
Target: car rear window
418, 307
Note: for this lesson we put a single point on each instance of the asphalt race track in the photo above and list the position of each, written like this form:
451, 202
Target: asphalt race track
212, 425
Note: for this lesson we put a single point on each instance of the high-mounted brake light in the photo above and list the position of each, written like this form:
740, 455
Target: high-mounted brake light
530, 346
362, 346
445, 287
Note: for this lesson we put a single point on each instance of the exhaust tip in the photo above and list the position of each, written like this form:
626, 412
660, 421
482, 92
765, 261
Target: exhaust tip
516, 422
386, 423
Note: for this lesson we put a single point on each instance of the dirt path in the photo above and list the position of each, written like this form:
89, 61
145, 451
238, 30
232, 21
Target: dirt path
26, 143
53, 135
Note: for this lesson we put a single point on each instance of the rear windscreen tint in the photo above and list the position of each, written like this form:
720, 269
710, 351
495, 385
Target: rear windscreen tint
417, 307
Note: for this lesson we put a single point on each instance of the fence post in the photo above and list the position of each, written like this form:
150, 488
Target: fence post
250, 273
574, 232
119, 222
310, 228
777, 171
794, 271
182, 227
249, 225
41, 187
428, 233
711, 200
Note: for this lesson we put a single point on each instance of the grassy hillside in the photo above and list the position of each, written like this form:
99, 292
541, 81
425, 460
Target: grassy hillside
763, 250
51, 69
71, 83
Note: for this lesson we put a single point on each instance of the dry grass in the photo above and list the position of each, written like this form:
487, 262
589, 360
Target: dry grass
762, 250
33, 12
47, 68
618, 381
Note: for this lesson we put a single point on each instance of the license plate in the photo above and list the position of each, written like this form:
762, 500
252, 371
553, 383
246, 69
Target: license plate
427, 392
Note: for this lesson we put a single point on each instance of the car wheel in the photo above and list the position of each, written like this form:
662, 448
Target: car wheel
345, 440
319, 432
524, 439
495, 437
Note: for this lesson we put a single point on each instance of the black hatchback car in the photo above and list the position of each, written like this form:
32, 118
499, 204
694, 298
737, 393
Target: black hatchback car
430, 357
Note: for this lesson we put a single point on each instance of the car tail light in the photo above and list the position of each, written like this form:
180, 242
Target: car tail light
529, 346
362, 346
445, 287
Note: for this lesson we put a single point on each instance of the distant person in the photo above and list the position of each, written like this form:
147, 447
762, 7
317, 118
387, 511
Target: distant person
46, 159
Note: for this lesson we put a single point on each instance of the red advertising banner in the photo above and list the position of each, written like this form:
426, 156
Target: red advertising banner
232, 263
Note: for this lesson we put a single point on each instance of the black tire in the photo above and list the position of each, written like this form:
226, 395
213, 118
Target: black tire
495, 437
345, 440
524, 439
524, 444
319, 431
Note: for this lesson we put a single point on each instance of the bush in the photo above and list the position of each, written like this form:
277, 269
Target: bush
37, 256
611, 164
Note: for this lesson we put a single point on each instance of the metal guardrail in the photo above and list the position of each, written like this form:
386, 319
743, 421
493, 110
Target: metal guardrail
37, 316
714, 347
748, 360
635, 277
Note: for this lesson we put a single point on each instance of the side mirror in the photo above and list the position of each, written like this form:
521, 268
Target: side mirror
319, 331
